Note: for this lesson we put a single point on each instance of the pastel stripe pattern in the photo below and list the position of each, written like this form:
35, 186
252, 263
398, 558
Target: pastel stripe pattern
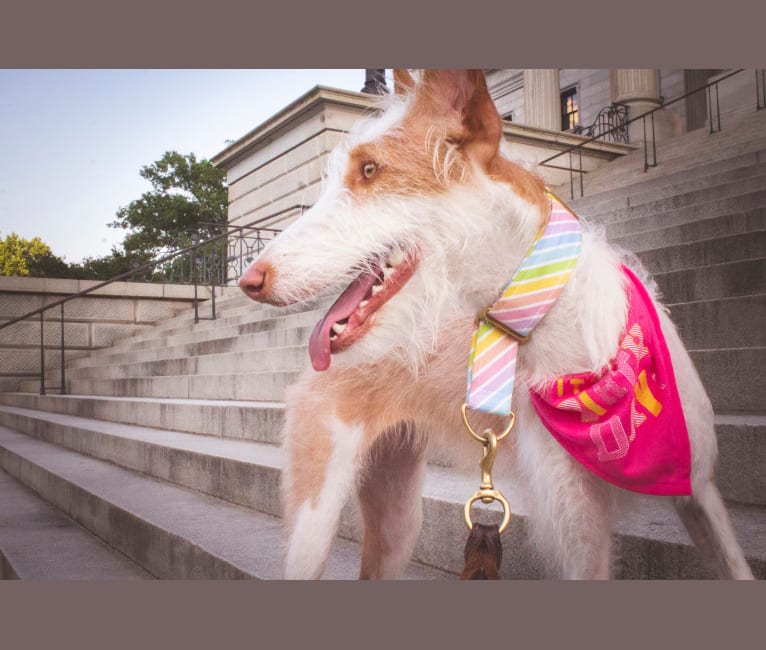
491, 370
534, 288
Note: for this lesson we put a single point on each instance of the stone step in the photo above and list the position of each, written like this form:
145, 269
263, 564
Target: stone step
742, 443
252, 386
248, 472
666, 187
629, 169
742, 203
735, 369
719, 181
238, 471
742, 452
258, 421
633, 172
173, 532
39, 542
297, 319
266, 359
732, 377
704, 174
720, 226
244, 311
714, 282
288, 330
706, 252
723, 323
272, 338
682, 153
721, 371
677, 202
241, 311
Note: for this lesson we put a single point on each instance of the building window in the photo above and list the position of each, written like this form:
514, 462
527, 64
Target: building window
570, 111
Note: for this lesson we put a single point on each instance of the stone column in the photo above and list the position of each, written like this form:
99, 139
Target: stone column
542, 98
639, 90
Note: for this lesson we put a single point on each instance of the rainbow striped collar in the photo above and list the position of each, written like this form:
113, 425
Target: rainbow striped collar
523, 303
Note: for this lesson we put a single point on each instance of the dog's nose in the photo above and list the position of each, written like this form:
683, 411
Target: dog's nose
255, 279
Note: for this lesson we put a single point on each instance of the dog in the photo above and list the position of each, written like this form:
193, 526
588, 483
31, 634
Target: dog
423, 219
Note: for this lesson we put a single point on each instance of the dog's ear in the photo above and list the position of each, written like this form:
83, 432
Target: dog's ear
403, 81
463, 98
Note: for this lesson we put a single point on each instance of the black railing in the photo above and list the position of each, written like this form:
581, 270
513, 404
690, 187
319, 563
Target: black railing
647, 119
610, 125
214, 262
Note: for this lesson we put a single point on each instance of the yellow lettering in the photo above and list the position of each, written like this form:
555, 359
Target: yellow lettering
588, 402
645, 397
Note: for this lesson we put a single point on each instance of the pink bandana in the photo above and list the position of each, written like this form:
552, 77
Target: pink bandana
626, 425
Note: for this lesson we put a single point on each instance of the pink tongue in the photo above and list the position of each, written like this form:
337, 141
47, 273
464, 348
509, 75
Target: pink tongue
343, 307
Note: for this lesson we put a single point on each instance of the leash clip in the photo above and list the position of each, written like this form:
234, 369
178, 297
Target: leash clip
487, 492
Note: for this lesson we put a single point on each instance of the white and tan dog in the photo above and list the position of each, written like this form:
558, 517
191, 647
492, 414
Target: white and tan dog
425, 220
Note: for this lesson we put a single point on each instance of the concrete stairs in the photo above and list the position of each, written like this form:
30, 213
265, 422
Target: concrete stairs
163, 460
739, 135
698, 223
168, 486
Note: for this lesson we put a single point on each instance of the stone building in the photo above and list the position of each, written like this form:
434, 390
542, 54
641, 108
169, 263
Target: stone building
274, 171
571, 99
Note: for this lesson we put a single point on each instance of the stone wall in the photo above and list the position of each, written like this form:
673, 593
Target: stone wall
93, 321
279, 164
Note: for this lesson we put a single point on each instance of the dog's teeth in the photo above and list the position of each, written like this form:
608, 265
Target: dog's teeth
387, 272
396, 258
338, 328
376, 288
364, 303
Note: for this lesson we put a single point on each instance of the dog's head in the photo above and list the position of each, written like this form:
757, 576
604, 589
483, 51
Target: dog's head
421, 219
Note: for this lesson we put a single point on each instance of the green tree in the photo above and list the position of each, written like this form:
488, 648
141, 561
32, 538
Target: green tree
187, 204
187, 195
104, 268
19, 256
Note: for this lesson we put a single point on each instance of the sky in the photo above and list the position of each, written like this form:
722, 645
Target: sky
72, 142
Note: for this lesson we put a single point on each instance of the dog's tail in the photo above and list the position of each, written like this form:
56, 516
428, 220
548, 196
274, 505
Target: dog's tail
632, 261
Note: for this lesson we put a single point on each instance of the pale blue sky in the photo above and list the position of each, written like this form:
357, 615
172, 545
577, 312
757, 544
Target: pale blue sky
73, 141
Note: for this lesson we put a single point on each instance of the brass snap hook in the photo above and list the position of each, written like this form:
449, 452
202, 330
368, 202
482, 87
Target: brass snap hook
487, 496
487, 492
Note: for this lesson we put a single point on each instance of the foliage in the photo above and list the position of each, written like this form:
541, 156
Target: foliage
19, 256
109, 266
187, 204
187, 195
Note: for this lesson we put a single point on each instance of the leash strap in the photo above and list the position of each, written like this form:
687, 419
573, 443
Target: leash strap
526, 299
483, 553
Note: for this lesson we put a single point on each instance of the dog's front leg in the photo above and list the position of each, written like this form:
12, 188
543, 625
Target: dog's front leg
321, 464
390, 496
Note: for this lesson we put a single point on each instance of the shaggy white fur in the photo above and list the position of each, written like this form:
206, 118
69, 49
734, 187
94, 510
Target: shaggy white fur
470, 234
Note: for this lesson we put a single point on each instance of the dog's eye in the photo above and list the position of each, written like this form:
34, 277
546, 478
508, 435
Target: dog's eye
369, 169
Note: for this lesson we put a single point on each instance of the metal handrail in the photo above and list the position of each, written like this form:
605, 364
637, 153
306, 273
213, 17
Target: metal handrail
613, 115
643, 117
252, 226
